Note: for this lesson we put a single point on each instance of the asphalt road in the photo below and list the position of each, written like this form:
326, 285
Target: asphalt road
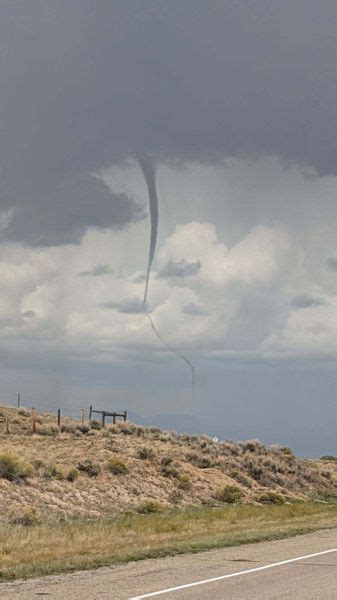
311, 578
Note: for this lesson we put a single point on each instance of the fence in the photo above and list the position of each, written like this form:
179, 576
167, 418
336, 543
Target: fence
50, 409
106, 413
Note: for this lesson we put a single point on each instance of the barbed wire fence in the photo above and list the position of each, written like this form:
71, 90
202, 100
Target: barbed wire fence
36, 405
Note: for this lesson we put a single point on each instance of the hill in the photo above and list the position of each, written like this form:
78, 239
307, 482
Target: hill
86, 471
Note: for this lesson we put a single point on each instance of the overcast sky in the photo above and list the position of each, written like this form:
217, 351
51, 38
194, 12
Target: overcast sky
235, 105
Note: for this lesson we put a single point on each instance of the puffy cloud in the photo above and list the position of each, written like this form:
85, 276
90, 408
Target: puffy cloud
240, 302
258, 257
309, 332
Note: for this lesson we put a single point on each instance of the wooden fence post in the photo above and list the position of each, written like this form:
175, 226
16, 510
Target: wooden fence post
90, 411
125, 415
82, 416
103, 418
19, 399
59, 418
33, 420
7, 430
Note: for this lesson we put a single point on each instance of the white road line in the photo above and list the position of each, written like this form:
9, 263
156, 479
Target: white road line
237, 574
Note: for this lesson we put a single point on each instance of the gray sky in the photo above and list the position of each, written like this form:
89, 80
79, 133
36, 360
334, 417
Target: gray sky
234, 103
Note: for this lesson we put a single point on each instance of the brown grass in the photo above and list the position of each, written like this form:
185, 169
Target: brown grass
60, 547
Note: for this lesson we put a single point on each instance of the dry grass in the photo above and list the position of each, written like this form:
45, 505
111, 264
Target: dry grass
59, 547
127, 466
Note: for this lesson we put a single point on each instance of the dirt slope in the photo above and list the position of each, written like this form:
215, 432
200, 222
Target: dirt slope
128, 467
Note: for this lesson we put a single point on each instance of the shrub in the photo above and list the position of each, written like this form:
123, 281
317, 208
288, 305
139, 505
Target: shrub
254, 467
53, 472
25, 516
329, 457
150, 506
252, 446
145, 453
230, 494
52, 430
287, 451
72, 475
184, 481
23, 412
116, 466
240, 477
83, 428
326, 496
90, 468
167, 469
199, 460
95, 424
127, 428
12, 469
66, 428
271, 498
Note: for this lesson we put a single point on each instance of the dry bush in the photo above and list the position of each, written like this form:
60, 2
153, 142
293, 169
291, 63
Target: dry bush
271, 498
83, 428
329, 458
127, 428
52, 430
12, 469
24, 412
166, 461
200, 460
145, 453
67, 428
26, 516
150, 506
184, 481
240, 477
231, 494
287, 451
117, 467
90, 468
72, 475
253, 446
170, 471
53, 472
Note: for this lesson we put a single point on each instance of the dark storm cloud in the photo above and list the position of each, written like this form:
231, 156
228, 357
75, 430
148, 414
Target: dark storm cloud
182, 268
86, 85
67, 210
306, 301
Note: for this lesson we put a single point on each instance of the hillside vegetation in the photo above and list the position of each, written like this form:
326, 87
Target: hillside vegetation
90, 472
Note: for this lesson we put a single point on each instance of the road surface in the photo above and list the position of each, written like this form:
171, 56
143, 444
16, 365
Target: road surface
310, 578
